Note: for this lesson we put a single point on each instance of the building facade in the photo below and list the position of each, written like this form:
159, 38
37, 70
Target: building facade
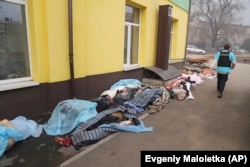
52, 50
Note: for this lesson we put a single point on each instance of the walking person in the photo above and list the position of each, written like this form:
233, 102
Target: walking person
226, 61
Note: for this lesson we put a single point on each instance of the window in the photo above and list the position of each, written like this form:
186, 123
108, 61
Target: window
132, 28
14, 51
171, 36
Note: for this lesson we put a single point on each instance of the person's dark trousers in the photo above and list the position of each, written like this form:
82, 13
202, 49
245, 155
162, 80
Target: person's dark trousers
221, 81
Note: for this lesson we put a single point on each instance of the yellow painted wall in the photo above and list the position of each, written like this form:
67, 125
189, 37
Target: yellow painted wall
98, 28
180, 23
57, 28
37, 30
149, 22
99, 36
48, 29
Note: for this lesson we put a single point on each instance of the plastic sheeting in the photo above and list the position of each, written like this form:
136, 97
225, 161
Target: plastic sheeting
21, 130
5, 134
126, 82
68, 114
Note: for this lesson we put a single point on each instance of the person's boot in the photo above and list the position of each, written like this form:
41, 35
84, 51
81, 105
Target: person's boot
219, 94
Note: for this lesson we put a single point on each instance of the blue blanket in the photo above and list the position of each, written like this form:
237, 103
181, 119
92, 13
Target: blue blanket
5, 134
21, 130
128, 128
126, 82
68, 114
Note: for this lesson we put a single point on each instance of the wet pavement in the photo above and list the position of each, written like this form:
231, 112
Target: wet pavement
205, 123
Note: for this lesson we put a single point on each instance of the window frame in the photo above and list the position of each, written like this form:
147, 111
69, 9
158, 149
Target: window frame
129, 25
27, 78
171, 38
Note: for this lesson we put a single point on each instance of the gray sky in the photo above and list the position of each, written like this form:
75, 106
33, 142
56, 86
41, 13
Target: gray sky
246, 13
